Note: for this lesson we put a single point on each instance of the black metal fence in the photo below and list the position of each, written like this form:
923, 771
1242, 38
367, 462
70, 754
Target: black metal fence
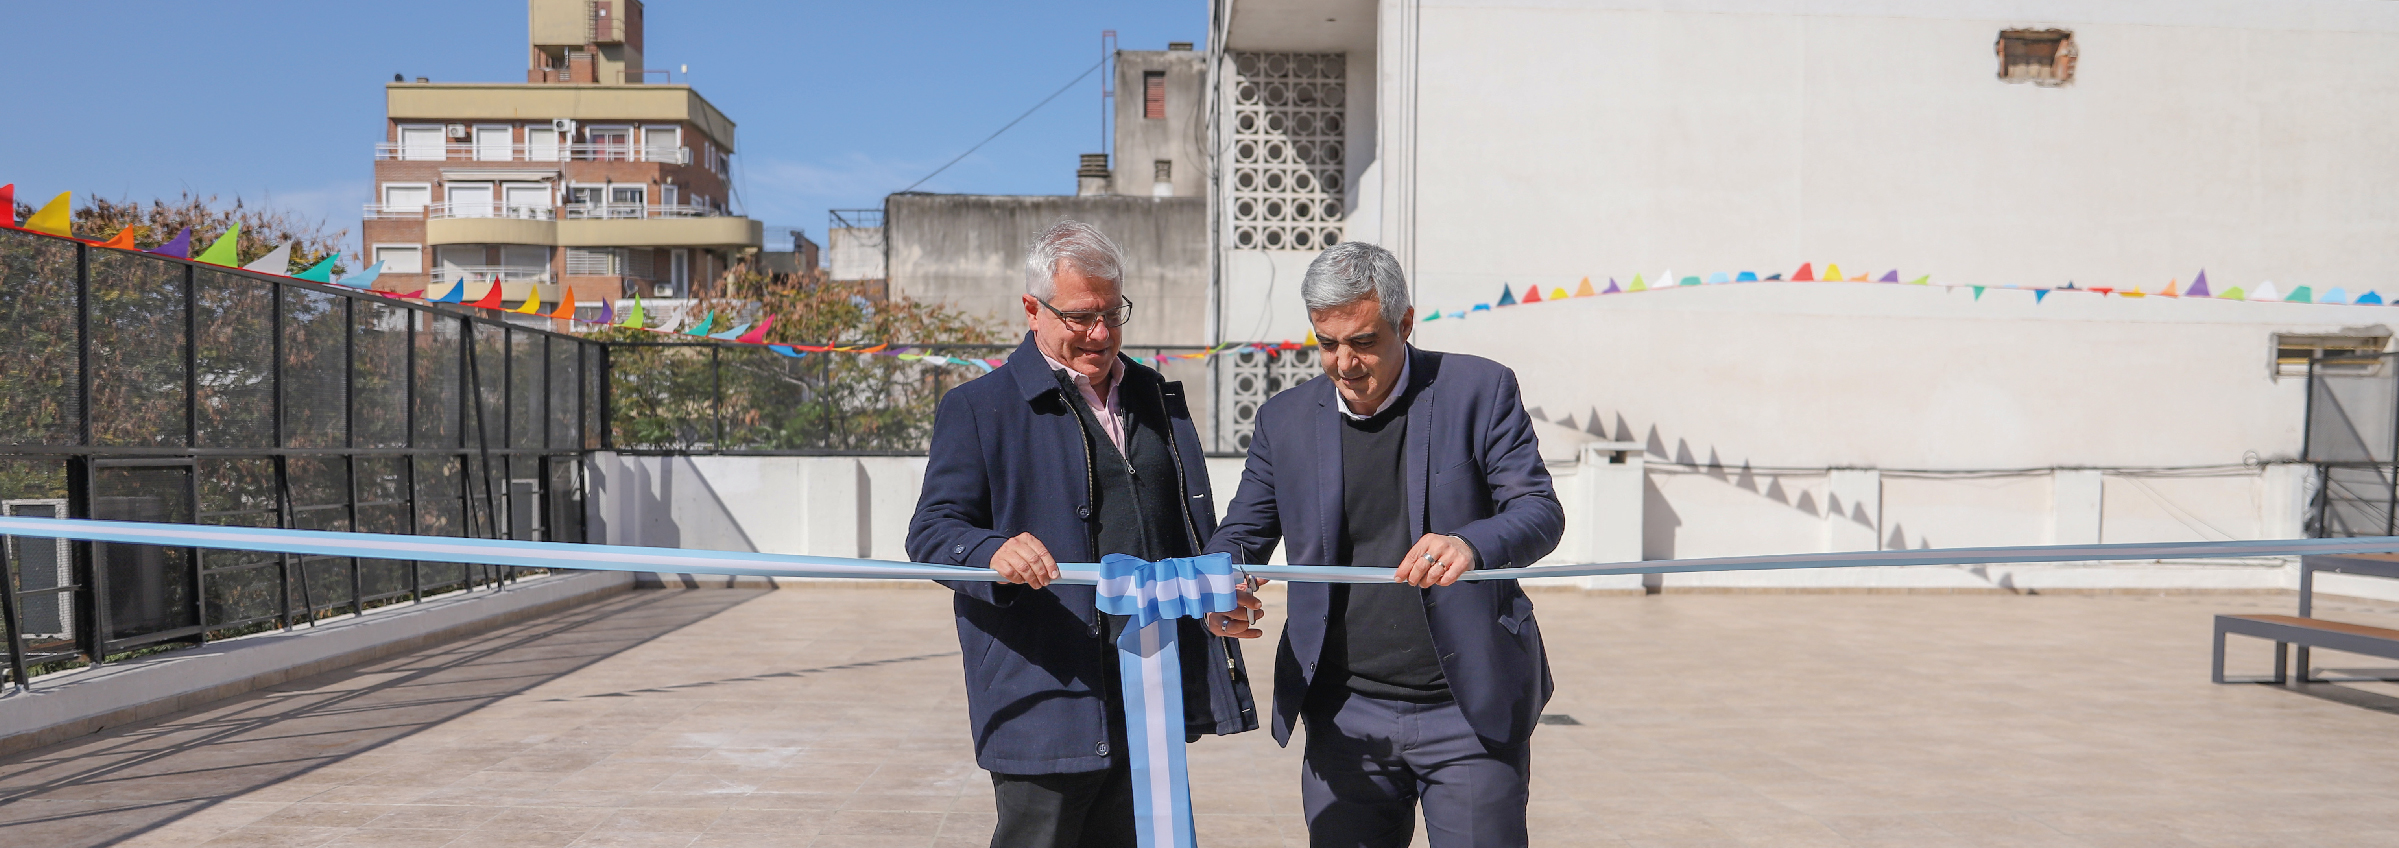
141, 387
2353, 439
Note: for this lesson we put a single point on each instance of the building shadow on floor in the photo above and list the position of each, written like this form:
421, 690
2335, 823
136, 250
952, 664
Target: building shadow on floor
117, 784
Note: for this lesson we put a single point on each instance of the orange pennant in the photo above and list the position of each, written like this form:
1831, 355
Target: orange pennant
566, 306
2169, 292
123, 240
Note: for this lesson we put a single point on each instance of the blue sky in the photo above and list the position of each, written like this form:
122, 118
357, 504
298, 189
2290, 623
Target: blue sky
280, 102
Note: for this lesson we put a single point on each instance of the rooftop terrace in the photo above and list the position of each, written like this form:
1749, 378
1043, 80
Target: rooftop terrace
835, 717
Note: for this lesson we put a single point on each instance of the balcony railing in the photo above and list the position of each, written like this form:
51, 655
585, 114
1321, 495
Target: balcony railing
455, 152
577, 212
480, 274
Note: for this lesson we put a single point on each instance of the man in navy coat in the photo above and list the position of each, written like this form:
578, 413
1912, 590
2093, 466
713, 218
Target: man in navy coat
1426, 688
1068, 452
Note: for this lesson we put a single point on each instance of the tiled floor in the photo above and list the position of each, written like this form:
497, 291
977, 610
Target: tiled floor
835, 717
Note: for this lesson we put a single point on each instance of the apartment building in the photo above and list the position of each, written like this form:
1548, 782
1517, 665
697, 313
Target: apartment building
588, 176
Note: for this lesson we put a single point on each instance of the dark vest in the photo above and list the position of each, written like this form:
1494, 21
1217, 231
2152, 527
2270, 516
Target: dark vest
1137, 496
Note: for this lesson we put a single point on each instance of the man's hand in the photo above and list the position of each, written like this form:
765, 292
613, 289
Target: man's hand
1242, 622
1435, 561
1025, 560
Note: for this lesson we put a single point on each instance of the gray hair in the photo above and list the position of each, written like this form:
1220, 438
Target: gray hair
1074, 242
1353, 271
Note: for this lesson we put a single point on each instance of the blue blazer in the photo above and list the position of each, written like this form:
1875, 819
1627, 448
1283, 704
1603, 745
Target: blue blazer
1008, 457
1473, 470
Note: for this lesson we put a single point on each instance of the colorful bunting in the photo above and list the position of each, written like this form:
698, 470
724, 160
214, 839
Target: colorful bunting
2298, 295
363, 279
2370, 299
456, 294
757, 336
706, 321
1803, 275
277, 262
2265, 291
2198, 286
123, 239
8, 204
1636, 286
607, 311
1559, 292
633, 317
1832, 273
179, 247
322, 272
1506, 297
1890, 276
2233, 293
2336, 295
52, 218
566, 307
1925, 280
1690, 281
2169, 292
1310, 341
1584, 290
1612, 289
1746, 277
532, 304
2038, 294
1718, 278
1978, 292
1532, 293
490, 298
731, 334
222, 252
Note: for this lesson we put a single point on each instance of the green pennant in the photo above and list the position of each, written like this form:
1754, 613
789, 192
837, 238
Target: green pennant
322, 272
222, 252
1978, 292
633, 317
1925, 280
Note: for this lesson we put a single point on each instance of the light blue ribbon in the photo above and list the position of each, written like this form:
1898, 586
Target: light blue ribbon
1154, 597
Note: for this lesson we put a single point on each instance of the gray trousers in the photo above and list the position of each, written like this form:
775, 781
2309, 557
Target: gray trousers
1369, 761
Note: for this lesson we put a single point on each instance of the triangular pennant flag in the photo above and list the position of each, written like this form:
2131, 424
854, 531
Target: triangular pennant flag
2103, 290
8, 204
1636, 286
787, 351
1612, 289
322, 272
2037, 294
1481, 307
1310, 341
1435, 315
1858, 279
2169, 292
1690, 281
2198, 286
566, 306
277, 262
2265, 291
1457, 315
1584, 290
2233, 293
1559, 292
1803, 275
490, 298
1746, 277
2370, 299
222, 251
2336, 295
1832, 273
1719, 278
758, 336
1507, 297
363, 279
2136, 292
532, 304
2299, 295
731, 334
1532, 293
607, 311
52, 218
123, 239
633, 317
1925, 280
1890, 276
456, 294
2070, 286
701, 329
179, 247
1978, 292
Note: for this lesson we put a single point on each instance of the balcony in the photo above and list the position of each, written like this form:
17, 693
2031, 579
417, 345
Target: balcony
452, 152
577, 212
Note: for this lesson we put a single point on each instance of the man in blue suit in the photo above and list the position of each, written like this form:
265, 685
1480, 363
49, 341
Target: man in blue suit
1424, 689
1068, 452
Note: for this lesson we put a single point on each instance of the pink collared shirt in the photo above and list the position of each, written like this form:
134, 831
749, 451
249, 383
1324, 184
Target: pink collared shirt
1110, 412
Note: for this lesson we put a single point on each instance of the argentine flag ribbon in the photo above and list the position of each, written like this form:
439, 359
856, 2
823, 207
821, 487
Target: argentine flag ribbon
1154, 595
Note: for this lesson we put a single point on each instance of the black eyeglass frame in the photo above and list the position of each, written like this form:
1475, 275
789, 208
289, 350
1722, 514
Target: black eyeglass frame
1082, 321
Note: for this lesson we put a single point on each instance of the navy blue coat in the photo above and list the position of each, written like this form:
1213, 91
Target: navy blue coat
1473, 470
1009, 457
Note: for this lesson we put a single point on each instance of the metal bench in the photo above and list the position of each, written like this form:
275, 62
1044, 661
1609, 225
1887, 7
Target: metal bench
2305, 631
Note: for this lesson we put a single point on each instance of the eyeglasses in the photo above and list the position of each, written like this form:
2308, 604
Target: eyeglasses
1082, 321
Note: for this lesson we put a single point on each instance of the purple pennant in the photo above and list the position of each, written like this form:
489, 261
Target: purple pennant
179, 247
2198, 286
1612, 289
608, 311
1890, 276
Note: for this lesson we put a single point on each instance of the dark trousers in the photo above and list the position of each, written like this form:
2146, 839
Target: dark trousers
1090, 809
1369, 761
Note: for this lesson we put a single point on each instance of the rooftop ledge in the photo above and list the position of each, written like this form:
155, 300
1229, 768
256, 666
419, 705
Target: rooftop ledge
517, 101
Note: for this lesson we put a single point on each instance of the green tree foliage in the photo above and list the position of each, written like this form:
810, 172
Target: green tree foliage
263, 229
750, 398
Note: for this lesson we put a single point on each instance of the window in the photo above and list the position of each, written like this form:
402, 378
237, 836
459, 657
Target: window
469, 200
594, 261
611, 144
525, 258
401, 258
455, 257
541, 144
678, 266
2352, 355
406, 197
494, 144
1162, 178
421, 144
525, 200
584, 195
626, 201
658, 144
2043, 57
1153, 94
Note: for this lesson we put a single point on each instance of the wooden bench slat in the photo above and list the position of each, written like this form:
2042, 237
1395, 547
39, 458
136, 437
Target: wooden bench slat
2365, 630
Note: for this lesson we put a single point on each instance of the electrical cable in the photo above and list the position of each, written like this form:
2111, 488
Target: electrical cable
1019, 119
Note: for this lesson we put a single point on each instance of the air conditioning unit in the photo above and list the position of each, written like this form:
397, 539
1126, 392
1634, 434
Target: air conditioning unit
457, 131
563, 125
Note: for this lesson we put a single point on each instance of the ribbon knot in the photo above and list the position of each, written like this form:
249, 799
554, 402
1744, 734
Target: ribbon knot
1177, 587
